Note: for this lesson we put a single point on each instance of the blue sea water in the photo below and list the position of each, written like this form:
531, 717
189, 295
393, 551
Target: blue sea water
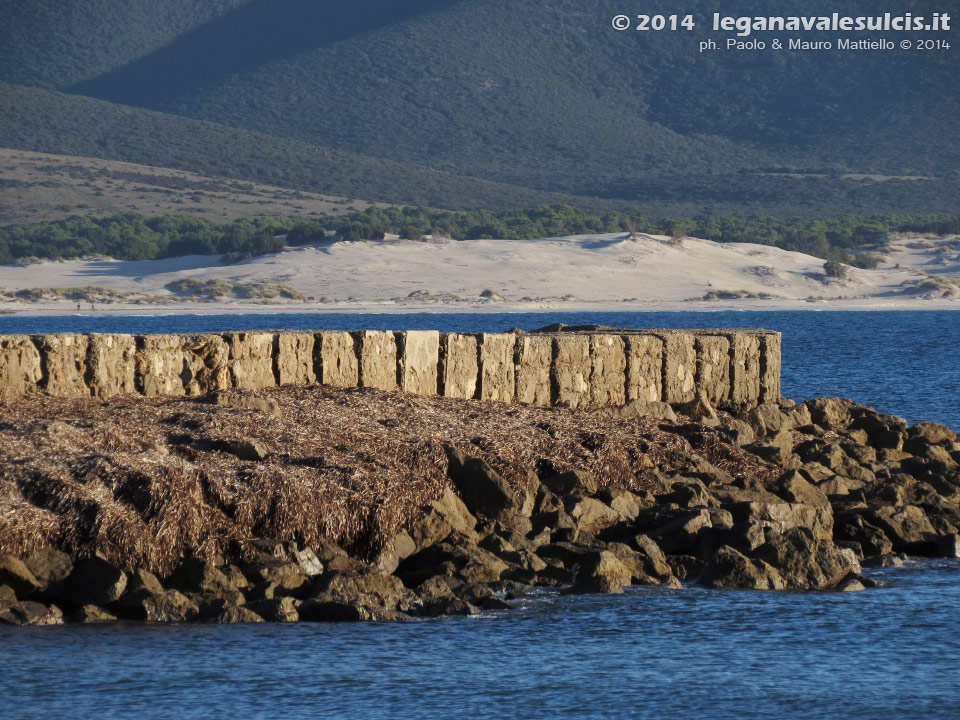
885, 653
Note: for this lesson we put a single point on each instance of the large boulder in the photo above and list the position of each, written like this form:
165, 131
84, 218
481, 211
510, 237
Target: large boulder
16, 574
94, 581
166, 606
371, 588
199, 576
51, 568
441, 518
805, 562
903, 525
27, 612
795, 488
591, 515
484, 492
682, 533
783, 516
732, 569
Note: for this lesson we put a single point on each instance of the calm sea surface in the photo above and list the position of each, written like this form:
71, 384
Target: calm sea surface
885, 653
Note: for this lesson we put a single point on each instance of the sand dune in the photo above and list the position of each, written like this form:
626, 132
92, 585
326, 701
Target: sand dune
582, 272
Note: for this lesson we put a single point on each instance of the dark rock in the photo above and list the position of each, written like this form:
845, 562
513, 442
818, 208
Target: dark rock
777, 449
794, 488
806, 563
441, 518
7, 597
887, 560
237, 614
286, 575
438, 586
92, 615
686, 567
733, 569
604, 564
903, 525
853, 526
373, 589
932, 433
682, 534
318, 610
598, 585
483, 490
831, 413
578, 482
166, 606
689, 494
447, 606
948, 546
27, 612
277, 610
199, 576
591, 515
14, 573
51, 568
94, 581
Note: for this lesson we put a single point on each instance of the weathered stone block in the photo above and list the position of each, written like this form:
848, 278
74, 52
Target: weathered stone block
251, 360
770, 360
378, 359
608, 375
713, 368
534, 355
461, 365
339, 365
111, 365
159, 363
571, 370
497, 372
63, 359
419, 361
745, 370
294, 358
206, 364
680, 368
20, 369
644, 368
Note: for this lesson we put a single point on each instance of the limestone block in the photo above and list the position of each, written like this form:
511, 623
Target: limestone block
251, 359
608, 373
206, 363
339, 365
713, 368
497, 372
770, 367
419, 361
20, 369
571, 370
294, 358
63, 359
679, 382
534, 356
378, 359
111, 365
461, 366
159, 364
644, 368
745, 370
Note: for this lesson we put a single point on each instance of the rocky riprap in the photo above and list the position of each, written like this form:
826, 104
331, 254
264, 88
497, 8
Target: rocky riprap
316, 504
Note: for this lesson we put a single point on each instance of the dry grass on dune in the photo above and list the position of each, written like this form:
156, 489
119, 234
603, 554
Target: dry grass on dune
147, 482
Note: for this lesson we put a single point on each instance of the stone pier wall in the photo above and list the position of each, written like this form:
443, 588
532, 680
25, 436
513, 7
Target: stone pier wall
732, 368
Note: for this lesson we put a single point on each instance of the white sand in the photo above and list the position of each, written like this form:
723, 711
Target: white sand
596, 272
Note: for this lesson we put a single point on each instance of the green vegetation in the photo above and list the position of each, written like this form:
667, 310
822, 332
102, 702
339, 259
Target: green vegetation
543, 104
845, 240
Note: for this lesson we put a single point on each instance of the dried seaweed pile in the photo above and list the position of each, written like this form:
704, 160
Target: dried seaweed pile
147, 482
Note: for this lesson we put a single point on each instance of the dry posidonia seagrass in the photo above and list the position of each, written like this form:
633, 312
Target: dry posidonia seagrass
147, 482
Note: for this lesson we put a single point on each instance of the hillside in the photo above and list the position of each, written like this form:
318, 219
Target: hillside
43, 121
534, 94
38, 187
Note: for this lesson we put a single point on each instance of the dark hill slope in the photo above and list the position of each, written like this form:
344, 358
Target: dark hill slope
546, 94
32, 119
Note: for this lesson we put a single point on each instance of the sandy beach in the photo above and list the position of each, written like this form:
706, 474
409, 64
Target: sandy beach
608, 272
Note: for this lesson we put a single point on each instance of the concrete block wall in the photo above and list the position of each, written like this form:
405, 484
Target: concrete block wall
578, 369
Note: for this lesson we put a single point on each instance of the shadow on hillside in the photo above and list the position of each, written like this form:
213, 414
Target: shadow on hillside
242, 40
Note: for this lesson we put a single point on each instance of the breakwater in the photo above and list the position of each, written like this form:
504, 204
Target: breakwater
570, 368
